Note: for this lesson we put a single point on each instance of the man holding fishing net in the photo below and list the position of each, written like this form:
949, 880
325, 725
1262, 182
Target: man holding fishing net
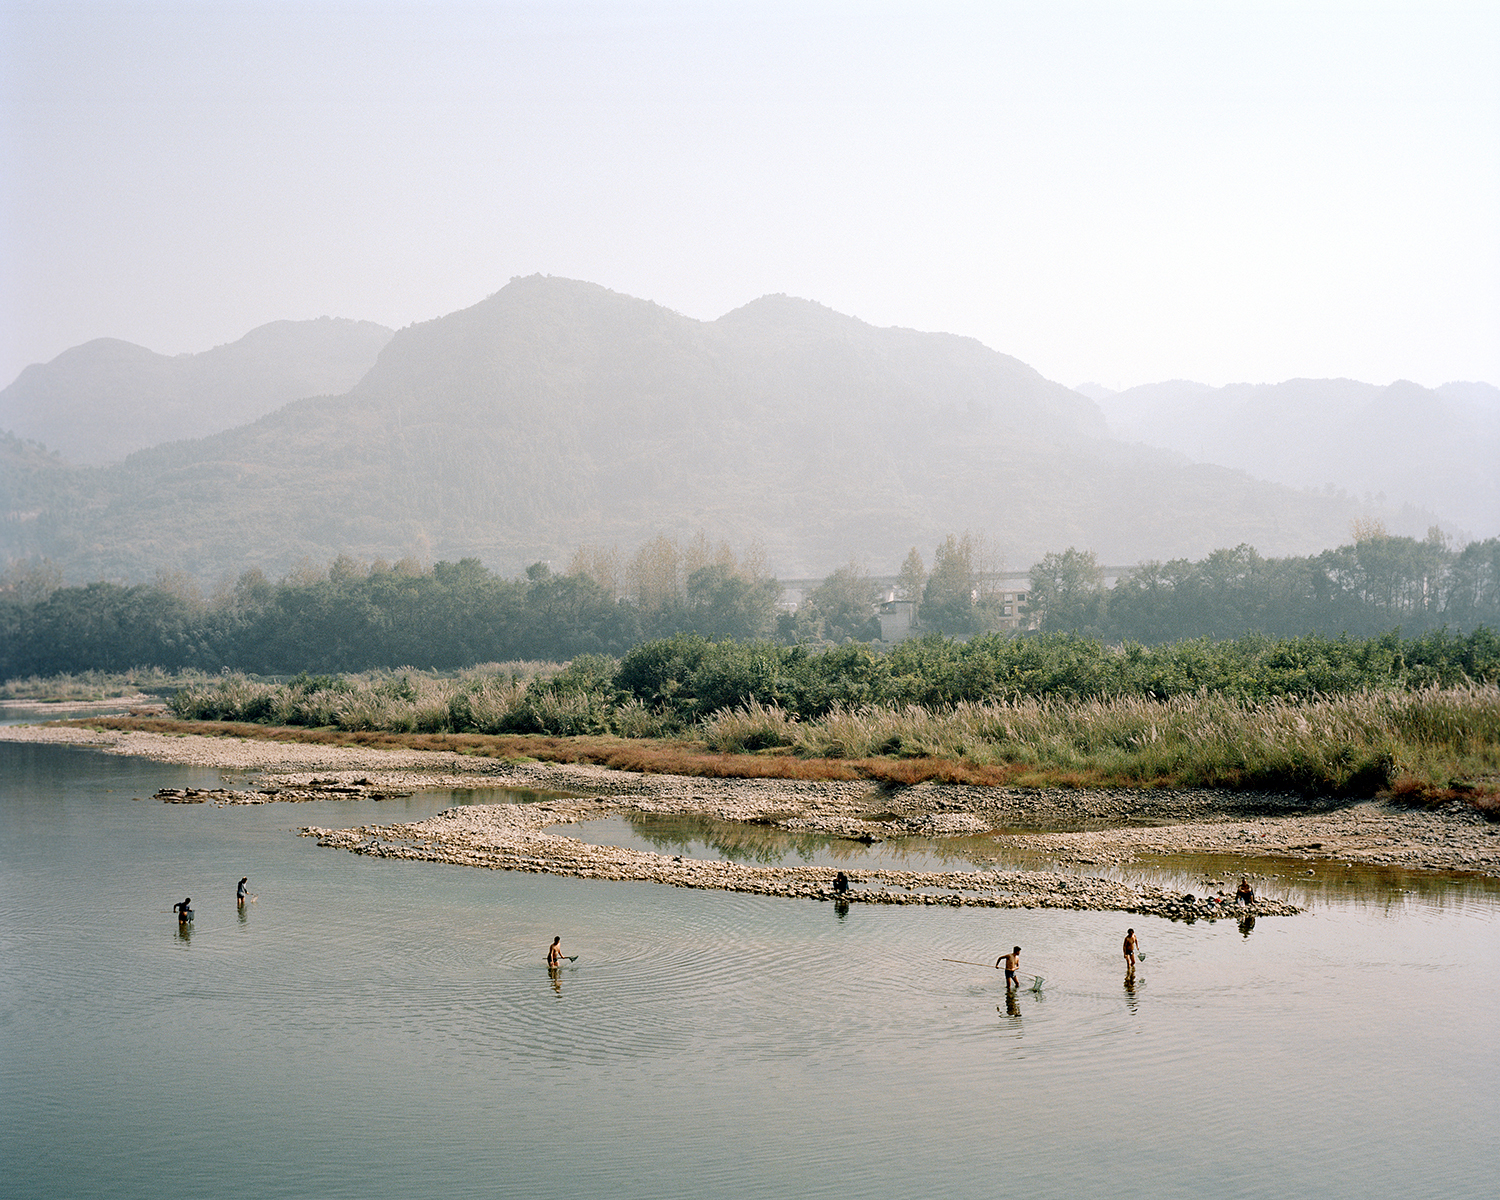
1012, 963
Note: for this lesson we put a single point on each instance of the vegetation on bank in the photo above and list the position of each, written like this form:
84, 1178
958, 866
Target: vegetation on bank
669, 686
98, 685
1431, 746
1313, 715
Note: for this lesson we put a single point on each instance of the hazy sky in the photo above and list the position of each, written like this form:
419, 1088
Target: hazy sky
1120, 192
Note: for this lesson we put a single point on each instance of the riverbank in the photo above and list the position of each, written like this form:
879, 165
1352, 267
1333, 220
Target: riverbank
1061, 828
138, 702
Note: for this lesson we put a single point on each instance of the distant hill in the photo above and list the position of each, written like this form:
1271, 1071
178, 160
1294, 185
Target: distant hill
557, 413
98, 402
1405, 444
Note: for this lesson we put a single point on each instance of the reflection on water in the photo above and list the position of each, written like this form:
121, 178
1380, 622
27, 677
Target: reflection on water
493, 795
1310, 884
737, 841
387, 1028
1306, 884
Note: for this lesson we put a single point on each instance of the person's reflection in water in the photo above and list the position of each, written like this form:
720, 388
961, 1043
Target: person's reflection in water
1247, 924
841, 908
1013, 1004
1131, 1002
184, 931
244, 910
555, 975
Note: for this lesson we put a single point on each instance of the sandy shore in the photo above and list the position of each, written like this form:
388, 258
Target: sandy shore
1069, 830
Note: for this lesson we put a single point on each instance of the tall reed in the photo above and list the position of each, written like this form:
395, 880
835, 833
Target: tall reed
1344, 745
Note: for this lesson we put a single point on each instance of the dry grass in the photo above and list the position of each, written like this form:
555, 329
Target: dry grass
651, 757
1326, 747
98, 685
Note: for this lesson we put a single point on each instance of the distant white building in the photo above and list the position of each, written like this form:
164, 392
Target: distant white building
898, 617
1012, 611
897, 620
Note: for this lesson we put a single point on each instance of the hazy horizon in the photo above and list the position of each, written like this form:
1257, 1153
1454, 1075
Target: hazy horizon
1087, 387
1121, 194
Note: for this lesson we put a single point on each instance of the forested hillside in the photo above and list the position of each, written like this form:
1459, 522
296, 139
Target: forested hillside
556, 413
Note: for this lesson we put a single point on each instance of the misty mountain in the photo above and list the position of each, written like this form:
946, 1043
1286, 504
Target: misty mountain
557, 413
98, 402
1433, 448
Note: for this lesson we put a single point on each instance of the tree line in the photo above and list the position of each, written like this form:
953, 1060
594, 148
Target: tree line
1377, 583
354, 616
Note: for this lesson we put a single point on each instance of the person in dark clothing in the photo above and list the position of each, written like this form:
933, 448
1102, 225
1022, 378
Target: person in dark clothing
184, 911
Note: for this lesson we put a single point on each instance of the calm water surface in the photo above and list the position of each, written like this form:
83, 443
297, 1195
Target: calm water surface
370, 1028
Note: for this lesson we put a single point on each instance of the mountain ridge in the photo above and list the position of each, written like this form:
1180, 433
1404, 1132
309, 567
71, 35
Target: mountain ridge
100, 401
1315, 433
555, 413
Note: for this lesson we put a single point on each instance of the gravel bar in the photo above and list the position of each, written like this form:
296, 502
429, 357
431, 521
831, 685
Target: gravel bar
1068, 829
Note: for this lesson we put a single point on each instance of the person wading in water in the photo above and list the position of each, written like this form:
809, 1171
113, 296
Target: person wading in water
1011, 961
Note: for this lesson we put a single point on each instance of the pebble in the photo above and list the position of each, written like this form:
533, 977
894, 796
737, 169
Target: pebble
1108, 827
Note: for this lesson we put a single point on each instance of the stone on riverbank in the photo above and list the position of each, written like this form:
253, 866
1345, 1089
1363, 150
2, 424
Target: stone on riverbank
514, 837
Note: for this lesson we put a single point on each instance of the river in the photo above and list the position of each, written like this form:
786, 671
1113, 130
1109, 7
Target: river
376, 1028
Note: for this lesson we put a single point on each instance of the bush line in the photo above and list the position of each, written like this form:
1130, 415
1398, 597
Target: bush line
1332, 717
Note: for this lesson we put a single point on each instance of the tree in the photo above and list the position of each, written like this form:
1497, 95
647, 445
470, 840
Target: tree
653, 583
1473, 593
1067, 592
722, 604
29, 582
952, 589
842, 607
912, 579
566, 615
600, 565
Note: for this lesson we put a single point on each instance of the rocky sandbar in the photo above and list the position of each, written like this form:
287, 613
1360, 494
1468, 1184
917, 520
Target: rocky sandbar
1058, 828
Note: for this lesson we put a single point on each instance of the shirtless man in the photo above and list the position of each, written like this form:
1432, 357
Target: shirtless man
1130, 948
1011, 961
554, 952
